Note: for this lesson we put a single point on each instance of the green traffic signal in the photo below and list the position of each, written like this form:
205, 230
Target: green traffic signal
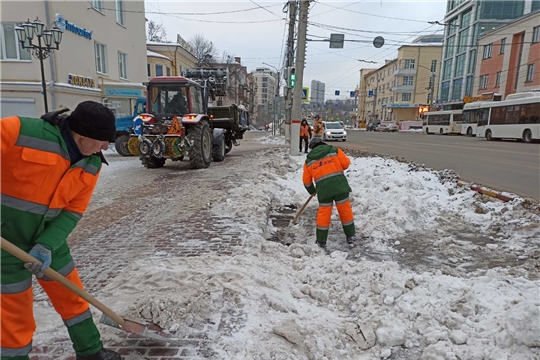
293, 80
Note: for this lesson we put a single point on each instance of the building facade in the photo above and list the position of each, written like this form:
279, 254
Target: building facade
510, 58
102, 56
317, 92
158, 64
180, 58
266, 82
465, 21
395, 91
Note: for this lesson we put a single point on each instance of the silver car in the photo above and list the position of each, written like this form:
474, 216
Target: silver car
334, 131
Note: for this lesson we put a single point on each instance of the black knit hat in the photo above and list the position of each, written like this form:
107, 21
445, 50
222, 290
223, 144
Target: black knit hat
93, 120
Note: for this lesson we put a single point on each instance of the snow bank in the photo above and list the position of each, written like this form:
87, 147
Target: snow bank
273, 139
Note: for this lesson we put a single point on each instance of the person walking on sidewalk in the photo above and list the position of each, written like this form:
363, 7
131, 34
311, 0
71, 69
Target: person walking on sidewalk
50, 167
325, 165
318, 127
305, 135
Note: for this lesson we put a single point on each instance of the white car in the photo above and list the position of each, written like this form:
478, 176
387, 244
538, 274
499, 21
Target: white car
334, 131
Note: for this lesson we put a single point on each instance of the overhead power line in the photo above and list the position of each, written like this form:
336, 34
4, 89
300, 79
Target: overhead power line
374, 15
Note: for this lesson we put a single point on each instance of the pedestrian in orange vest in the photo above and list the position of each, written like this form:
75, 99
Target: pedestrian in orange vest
50, 167
325, 165
318, 127
305, 135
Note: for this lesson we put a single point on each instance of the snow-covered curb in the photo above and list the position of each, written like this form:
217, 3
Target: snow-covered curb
272, 139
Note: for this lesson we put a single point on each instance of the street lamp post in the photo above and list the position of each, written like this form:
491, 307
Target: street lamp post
26, 32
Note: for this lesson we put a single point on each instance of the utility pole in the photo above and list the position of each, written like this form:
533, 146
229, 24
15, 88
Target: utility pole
288, 91
431, 86
297, 93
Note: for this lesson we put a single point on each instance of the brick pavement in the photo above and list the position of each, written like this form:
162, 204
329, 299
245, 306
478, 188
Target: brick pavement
139, 224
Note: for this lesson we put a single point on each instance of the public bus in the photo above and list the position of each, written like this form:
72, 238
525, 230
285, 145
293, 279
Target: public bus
517, 117
471, 113
442, 122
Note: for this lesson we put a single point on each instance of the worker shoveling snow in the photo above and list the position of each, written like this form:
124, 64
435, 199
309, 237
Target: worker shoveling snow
270, 301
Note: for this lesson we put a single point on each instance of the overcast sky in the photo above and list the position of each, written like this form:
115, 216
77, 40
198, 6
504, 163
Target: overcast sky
257, 35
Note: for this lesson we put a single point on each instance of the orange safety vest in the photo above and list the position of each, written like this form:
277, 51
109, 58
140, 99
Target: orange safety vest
318, 128
304, 131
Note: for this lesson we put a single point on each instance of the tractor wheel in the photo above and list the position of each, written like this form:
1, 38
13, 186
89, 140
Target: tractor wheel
153, 162
121, 145
218, 151
200, 154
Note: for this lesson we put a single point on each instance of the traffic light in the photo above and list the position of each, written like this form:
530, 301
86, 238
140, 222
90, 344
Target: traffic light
423, 109
292, 77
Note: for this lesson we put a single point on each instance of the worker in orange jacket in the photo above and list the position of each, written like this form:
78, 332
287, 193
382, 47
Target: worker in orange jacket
318, 127
305, 135
50, 167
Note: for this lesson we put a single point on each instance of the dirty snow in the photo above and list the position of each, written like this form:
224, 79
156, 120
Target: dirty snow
273, 139
277, 302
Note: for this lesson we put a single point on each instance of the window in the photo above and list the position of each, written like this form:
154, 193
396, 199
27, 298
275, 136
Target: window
265, 79
452, 26
10, 47
456, 89
168, 99
196, 101
498, 79
445, 90
159, 70
148, 70
97, 4
462, 42
101, 58
535, 5
500, 9
433, 66
450, 46
408, 80
466, 19
410, 63
484, 82
429, 98
460, 65
447, 69
487, 51
530, 72
472, 60
120, 14
503, 43
536, 34
168, 71
406, 96
122, 65
469, 85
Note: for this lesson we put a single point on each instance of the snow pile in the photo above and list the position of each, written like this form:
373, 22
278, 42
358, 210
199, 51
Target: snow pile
273, 139
412, 130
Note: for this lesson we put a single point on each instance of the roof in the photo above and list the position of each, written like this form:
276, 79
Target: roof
157, 55
423, 44
169, 44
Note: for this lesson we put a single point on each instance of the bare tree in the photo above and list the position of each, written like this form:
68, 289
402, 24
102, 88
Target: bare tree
156, 32
204, 50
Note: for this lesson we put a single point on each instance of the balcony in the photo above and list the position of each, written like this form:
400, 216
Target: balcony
403, 88
401, 72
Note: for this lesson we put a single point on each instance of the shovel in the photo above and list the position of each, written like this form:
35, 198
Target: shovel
295, 220
109, 317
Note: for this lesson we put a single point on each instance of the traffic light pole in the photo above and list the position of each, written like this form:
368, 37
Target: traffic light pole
299, 67
288, 91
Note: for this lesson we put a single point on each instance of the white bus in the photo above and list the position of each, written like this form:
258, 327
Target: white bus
517, 117
442, 122
471, 113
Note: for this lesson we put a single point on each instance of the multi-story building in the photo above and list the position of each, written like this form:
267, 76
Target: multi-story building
317, 92
466, 21
395, 91
266, 82
102, 56
168, 59
510, 58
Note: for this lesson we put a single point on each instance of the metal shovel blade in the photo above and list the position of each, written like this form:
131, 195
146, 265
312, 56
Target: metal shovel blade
136, 328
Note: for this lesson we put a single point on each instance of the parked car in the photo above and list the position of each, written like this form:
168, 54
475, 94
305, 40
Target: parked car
382, 128
393, 128
371, 127
334, 131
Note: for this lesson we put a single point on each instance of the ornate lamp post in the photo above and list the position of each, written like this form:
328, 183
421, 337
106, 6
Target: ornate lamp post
44, 47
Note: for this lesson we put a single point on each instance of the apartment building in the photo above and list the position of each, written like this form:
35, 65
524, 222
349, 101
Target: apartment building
466, 21
266, 82
362, 95
317, 92
102, 56
395, 91
510, 58
168, 59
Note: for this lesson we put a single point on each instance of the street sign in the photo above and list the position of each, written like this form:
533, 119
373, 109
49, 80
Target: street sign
336, 92
336, 41
378, 42
370, 93
353, 93
336, 105
305, 94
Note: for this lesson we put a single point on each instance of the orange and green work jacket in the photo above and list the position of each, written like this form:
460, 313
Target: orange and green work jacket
325, 165
43, 194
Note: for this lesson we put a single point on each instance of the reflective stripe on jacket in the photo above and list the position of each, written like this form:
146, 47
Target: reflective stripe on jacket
43, 196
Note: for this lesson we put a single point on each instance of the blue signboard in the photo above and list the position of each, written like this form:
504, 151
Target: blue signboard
353, 93
370, 93
120, 92
64, 25
337, 92
304, 93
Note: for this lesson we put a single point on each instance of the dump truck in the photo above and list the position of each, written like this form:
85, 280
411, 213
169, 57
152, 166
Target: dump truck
179, 122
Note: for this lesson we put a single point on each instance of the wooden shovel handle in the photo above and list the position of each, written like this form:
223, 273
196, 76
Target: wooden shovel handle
25, 257
302, 208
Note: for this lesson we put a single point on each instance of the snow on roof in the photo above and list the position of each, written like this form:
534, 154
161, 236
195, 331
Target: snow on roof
424, 44
157, 55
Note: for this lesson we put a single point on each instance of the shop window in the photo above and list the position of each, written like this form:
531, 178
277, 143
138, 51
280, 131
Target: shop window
101, 58
10, 47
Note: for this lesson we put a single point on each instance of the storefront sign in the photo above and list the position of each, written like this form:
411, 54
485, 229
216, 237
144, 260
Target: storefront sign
121, 92
78, 80
64, 25
483, 97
